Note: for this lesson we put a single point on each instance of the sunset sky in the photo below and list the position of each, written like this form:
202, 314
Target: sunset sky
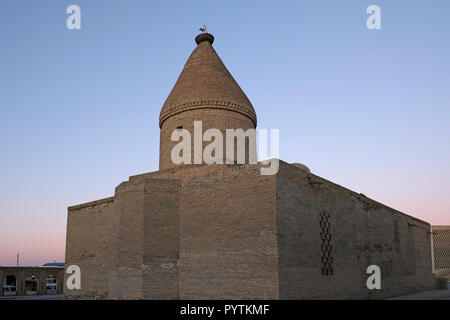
366, 109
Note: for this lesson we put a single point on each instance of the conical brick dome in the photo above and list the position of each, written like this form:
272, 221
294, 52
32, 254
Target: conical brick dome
204, 93
205, 82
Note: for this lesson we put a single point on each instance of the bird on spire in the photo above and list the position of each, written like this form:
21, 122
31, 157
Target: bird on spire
203, 29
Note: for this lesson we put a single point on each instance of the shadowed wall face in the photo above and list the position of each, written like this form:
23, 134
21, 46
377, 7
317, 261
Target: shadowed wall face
329, 236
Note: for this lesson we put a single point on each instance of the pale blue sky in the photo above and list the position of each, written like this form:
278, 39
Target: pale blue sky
369, 110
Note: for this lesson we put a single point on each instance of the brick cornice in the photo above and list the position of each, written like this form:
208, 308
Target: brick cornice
206, 104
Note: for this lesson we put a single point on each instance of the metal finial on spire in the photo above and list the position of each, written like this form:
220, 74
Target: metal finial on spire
203, 29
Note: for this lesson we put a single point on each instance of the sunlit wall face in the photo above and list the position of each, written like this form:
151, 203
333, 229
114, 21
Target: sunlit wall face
367, 109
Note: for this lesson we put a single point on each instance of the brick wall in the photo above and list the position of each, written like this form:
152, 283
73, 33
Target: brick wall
362, 232
227, 232
91, 244
214, 118
228, 236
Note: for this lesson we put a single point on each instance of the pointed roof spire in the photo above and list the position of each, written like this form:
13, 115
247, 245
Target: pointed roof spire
206, 83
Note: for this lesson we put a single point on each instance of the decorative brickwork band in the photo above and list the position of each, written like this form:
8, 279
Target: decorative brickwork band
205, 104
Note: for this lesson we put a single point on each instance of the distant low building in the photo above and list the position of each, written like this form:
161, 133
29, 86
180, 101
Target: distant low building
441, 251
32, 280
54, 264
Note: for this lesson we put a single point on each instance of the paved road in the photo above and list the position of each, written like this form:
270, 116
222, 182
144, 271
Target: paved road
36, 297
427, 295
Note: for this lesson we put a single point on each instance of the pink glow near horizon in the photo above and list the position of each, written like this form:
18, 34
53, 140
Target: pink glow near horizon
34, 246
79, 111
41, 242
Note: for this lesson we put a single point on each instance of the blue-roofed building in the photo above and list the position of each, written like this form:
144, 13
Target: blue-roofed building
54, 264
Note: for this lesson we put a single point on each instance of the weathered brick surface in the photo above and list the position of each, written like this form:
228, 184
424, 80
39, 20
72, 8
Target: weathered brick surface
127, 271
205, 91
91, 244
228, 242
227, 232
161, 238
362, 233
205, 81
212, 118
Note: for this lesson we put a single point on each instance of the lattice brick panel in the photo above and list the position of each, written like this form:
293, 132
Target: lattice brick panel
326, 246
441, 245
